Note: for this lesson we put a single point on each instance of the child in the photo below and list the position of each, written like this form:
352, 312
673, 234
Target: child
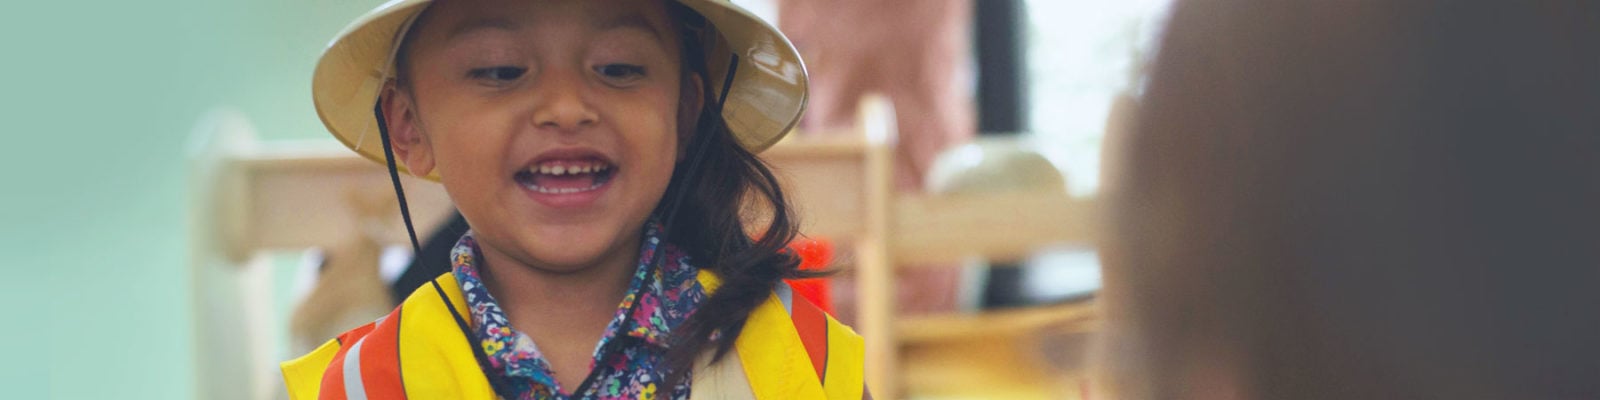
601, 152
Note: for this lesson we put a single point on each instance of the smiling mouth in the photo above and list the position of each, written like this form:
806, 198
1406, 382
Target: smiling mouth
566, 176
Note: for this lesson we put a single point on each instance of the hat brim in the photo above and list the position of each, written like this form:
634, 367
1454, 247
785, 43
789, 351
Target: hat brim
768, 92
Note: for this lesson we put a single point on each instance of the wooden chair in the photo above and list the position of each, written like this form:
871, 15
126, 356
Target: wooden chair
841, 186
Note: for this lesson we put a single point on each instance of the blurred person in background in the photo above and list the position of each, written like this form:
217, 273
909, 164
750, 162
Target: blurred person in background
1362, 200
916, 53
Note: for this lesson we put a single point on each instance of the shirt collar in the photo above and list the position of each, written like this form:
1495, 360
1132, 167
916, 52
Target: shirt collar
665, 294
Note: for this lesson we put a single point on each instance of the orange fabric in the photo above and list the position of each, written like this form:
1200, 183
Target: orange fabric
812, 325
816, 254
380, 359
350, 337
333, 377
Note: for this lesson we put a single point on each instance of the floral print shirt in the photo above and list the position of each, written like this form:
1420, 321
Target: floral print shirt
633, 367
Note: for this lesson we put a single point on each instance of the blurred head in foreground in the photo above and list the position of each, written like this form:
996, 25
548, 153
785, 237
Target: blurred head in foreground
1360, 199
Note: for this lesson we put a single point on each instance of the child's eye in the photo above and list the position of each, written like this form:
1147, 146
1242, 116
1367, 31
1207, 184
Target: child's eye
497, 74
620, 73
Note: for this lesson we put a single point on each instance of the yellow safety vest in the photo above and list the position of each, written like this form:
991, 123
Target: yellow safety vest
787, 350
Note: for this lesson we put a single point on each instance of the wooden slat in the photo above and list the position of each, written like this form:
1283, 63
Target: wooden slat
995, 226
1015, 368
945, 327
830, 144
823, 181
875, 281
299, 195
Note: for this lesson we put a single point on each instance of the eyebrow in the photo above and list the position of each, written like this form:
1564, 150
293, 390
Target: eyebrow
629, 20
481, 24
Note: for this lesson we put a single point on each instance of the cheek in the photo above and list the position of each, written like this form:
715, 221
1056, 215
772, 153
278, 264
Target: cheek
473, 172
460, 145
651, 133
657, 155
458, 125
651, 126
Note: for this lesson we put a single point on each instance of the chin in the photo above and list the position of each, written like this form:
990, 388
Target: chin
570, 250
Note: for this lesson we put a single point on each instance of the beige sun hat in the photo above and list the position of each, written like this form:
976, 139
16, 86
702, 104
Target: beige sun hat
767, 95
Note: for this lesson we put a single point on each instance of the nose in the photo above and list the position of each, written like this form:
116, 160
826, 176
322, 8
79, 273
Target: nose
561, 103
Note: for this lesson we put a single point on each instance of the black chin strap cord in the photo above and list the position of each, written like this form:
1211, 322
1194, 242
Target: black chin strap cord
702, 139
416, 248
394, 176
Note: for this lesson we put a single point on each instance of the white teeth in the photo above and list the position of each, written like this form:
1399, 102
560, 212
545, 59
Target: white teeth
568, 169
546, 190
558, 169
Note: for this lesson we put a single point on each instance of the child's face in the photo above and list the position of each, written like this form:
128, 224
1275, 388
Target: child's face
554, 125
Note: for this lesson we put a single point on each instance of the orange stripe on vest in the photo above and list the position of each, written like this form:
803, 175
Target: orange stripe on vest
333, 379
812, 325
380, 360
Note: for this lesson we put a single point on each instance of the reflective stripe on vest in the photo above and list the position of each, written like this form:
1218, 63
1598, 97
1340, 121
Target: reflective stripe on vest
369, 368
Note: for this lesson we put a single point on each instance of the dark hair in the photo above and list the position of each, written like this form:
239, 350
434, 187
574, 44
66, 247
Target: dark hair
710, 223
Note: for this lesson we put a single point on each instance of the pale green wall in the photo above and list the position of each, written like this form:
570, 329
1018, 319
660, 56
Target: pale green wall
96, 102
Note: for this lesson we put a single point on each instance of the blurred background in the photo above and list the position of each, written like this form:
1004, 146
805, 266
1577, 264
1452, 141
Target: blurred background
113, 107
